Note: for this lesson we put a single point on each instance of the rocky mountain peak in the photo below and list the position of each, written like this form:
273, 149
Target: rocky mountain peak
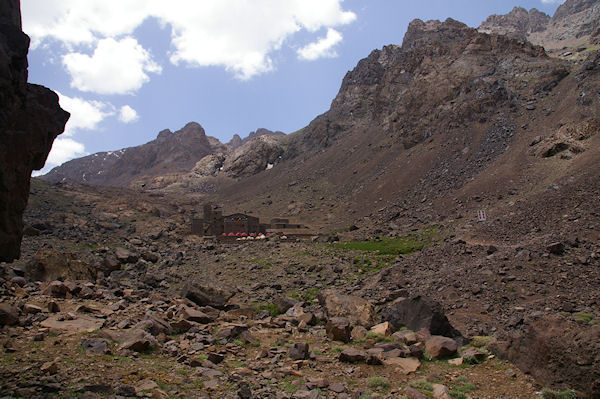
571, 7
518, 23
164, 134
235, 142
421, 34
575, 24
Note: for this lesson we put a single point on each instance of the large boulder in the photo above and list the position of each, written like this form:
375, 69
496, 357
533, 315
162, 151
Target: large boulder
30, 120
207, 293
338, 329
356, 309
557, 352
50, 264
420, 312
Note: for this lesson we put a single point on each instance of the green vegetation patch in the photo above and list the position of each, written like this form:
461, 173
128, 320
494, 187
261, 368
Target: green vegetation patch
379, 383
264, 263
422, 385
272, 308
394, 246
461, 388
308, 295
290, 384
548, 393
480, 341
583, 318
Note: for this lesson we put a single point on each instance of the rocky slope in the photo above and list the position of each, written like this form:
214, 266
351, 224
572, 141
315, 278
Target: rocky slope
149, 310
574, 26
30, 120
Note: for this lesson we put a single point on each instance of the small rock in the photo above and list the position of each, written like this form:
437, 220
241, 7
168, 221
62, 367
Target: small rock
125, 256
441, 392
244, 391
215, 358
404, 365
53, 307
146, 385
140, 345
196, 315
159, 394
412, 393
125, 390
56, 289
358, 333
50, 367
556, 248
338, 329
439, 347
406, 336
456, 362
181, 326
299, 351
337, 388
384, 329
18, 280
95, 346
351, 355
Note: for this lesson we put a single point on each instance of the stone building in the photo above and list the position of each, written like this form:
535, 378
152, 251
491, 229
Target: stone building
213, 223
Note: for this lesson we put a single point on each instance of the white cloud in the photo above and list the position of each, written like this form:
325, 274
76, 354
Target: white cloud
63, 150
322, 48
85, 115
81, 22
116, 67
239, 35
128, 114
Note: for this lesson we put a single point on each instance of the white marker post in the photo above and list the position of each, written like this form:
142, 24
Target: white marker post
481, 215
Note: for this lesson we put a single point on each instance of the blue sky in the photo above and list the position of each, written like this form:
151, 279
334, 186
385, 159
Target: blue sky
127, 69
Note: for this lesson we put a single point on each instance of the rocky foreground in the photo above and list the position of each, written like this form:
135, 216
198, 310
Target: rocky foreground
122, 337
113, 299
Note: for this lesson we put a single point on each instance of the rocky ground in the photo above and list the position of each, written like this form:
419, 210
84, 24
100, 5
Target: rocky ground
113, 299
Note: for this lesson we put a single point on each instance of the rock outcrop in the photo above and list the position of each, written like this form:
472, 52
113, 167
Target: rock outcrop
519, 23
574, 24
557, 352
255, 155
30, 120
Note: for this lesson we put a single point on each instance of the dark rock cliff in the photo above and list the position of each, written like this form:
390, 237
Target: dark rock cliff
30, 120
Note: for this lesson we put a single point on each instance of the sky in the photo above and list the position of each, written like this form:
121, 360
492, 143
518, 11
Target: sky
127, 69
